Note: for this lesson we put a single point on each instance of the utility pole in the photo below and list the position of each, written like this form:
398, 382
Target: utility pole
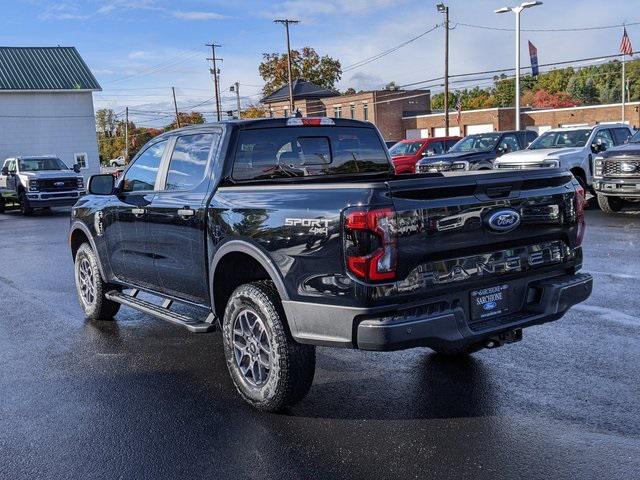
175, 106
444, 9
236, 88
126, 134
215, 72
286, 23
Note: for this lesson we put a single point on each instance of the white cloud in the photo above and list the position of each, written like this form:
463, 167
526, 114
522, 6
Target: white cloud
198, 15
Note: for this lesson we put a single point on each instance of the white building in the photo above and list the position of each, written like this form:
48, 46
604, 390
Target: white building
46, 106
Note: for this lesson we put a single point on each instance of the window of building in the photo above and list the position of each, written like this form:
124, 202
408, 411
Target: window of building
365, 110
285, 113
352, 111
189, 161
280, 153
81, 159
142, 174
337, 112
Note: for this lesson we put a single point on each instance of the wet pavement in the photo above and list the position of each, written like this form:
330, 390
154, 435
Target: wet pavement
139, 398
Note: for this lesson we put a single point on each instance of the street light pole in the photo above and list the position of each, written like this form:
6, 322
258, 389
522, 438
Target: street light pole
444, 9
518, 10
286, 23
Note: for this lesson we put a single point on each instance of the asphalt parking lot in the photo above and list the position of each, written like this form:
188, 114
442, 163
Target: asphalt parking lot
139, 398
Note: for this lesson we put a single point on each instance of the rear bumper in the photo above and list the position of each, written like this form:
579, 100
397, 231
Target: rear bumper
431, 325
620, 187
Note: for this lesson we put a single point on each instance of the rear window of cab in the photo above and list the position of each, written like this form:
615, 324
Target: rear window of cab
285, 152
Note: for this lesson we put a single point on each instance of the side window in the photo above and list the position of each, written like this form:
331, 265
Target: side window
189, 161
621, 135
437, 147
451, 143
530, 137
11, 166
511, 142
605, 138
142, 174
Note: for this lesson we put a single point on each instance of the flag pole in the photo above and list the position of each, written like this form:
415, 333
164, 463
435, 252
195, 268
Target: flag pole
624, 61
623, 75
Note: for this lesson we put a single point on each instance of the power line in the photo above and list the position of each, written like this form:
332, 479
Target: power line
510, 69
389, 51
574, 29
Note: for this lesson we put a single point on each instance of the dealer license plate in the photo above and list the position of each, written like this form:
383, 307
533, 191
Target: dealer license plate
489, 302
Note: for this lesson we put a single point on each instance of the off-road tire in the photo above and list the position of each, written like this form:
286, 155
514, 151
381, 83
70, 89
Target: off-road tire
25, 207
291, 365
457, 352
610, 204
101, 308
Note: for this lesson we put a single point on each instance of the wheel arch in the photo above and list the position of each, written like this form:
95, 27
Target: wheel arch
579, 172
79, 234
249, 263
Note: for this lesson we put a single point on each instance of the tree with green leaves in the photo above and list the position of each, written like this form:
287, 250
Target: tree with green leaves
305, 65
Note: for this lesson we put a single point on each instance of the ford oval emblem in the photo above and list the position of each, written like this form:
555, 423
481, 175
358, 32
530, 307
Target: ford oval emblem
628, 167
503, 220
490, 305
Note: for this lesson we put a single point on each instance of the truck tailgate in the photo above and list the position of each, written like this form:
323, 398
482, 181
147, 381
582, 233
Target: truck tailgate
453, 235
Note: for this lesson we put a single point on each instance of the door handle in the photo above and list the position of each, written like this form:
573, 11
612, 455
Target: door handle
138, 212
186, 212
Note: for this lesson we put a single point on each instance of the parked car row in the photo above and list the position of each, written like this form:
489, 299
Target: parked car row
604, 159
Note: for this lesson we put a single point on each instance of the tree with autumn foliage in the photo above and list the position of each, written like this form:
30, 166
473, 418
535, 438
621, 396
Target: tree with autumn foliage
254, 111
306, 65
193, 118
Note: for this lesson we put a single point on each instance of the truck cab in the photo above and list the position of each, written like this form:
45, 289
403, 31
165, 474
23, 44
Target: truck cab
569, 148
39, 182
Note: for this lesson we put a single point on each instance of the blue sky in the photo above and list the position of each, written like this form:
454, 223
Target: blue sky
138, 49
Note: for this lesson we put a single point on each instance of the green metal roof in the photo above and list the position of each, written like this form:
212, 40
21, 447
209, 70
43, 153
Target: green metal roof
44, 68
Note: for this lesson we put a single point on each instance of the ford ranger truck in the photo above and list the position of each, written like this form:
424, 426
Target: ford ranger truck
616, 177
39, 182
292, 233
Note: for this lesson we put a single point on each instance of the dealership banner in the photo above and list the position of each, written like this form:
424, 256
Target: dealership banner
533, 53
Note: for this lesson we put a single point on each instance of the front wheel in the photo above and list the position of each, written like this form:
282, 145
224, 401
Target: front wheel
610, 204
25, 206
91, 287
269, 369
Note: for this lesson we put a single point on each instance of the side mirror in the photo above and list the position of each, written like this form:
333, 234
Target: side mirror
102, 184
5, 170
598, 147
76, 168
429, 152
502, 149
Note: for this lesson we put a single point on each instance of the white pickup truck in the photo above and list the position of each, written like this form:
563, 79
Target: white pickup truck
570, 148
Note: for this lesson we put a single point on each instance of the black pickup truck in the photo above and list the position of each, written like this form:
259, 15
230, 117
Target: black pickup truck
292, 233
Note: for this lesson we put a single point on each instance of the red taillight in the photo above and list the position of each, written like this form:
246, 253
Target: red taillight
581, 201
370, 244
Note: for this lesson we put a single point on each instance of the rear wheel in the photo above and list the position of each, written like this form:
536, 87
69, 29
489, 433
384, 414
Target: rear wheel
269, 369
91, 287
610, 204
25, 206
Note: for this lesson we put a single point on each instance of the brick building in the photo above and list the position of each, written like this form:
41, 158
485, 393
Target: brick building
540, 120
385, 108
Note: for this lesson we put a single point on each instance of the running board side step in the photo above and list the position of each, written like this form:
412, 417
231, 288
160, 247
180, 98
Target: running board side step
162, 311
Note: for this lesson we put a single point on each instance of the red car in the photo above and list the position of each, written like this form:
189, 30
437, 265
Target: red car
406, 153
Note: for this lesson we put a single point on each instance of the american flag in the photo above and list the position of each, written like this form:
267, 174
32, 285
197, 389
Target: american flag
459, 110
625, 44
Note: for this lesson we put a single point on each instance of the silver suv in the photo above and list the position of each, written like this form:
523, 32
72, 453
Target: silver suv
571, 148
39, 182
